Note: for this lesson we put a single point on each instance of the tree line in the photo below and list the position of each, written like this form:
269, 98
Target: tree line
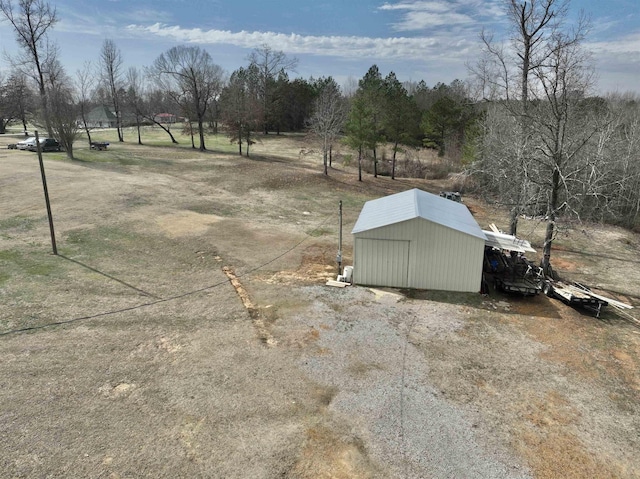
548, 147
525, 127
184, 81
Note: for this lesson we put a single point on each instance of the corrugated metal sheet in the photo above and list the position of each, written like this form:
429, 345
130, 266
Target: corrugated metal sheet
416, 204
507, 242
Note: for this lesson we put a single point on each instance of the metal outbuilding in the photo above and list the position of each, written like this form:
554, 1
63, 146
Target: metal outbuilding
415, 239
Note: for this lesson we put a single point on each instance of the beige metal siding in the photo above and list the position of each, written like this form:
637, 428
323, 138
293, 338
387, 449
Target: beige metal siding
381, 262
440, 258
444, 259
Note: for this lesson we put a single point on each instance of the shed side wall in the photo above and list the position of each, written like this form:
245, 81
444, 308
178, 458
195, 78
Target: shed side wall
440, 258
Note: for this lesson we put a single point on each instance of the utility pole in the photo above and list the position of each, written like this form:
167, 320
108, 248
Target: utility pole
339, 257
46, 195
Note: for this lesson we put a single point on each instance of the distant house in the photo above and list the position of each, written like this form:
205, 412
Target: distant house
418, 240
165, 118
101, 117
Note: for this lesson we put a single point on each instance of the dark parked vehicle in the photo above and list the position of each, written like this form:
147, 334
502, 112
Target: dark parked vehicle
46, 144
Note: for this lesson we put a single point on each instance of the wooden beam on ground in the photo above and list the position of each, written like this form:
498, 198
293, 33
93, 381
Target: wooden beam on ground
254, 312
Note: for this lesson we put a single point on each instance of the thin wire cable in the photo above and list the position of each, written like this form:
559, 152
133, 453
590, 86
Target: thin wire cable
163, 300
403, 440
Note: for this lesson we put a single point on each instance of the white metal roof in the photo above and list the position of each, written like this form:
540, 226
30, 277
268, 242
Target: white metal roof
507, 242
416, 203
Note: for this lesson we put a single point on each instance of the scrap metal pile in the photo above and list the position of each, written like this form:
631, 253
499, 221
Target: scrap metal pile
506, 266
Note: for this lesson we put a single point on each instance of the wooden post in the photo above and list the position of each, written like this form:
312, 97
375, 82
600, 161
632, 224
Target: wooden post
339, 257
46, 195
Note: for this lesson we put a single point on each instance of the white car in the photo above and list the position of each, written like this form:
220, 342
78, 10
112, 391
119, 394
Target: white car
27, 144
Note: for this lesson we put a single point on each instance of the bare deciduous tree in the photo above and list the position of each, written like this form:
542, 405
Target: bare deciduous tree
84, 86
269, 63
329, 116
111, 73
157, 101
503, 70
64, 112
134, 97
562, 126
31, 21
190, 77
241, 106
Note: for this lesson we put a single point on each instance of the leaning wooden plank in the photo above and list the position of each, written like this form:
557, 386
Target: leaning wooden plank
336, 284
612, 302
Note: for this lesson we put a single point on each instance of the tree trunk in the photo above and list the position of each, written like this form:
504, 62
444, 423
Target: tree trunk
45, 112
88, 132
201, 133
393, 161
116, 107
375, 163
324, 156
515, 213
138, 127
360, 164
167, 130
330, 155
551, 222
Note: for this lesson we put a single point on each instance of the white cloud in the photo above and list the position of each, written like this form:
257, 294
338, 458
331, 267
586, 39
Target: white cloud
337, 46
97, 22
627, 44
422, 15
426, 14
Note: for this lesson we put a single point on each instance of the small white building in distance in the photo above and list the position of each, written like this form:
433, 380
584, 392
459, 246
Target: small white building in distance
415, 239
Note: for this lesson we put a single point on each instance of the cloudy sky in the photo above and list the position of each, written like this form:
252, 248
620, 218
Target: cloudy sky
431, 40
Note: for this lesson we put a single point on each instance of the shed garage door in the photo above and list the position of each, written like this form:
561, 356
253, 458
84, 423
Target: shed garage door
382, 262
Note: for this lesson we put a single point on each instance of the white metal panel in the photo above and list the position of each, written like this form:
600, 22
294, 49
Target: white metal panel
412, 204
507, 242
440, 258
381, 262
445, 259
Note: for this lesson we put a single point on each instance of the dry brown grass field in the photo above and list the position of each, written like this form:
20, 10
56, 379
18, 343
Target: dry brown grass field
130, 354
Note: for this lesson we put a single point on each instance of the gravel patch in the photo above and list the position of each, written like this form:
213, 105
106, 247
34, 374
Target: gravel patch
383, 385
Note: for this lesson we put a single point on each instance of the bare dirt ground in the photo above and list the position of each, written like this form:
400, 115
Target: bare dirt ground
131, 355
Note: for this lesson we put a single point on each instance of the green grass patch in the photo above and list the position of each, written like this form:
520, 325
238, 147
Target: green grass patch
20, 223
41, 269
111, 244
214, 208
117, 157
155, 136
77, 237
97, 238
316, 233
16, 263
9, 255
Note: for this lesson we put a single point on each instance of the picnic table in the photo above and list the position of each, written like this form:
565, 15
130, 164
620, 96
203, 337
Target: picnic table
99, 145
